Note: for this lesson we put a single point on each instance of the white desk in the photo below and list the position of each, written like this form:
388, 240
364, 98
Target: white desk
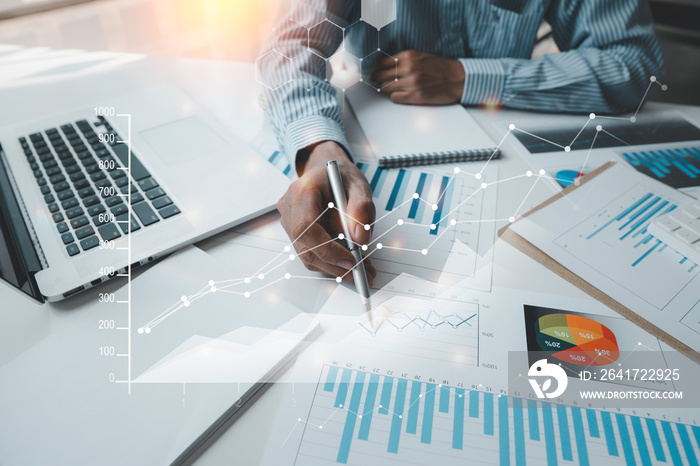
229, 91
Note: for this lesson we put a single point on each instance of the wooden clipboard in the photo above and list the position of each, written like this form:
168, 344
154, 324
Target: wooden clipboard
531, 250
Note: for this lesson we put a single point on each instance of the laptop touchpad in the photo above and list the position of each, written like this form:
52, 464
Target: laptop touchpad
183, 141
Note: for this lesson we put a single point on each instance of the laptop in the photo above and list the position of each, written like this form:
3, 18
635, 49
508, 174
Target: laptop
86, 192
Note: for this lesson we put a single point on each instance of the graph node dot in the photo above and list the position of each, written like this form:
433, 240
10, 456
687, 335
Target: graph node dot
331, 205
298, 419
320, 427
287, 276
360, 416
433, 226
639, 343
211, 282
477, 176
183, 298
140, 330
592, 116
511, 219
291, 257
483, 185
416, 195
456, 169
147, 330
341, 236
186, 304
367, 227
261, 276
246, 280
400, 416
338, 279
439, 385
435, 206
380, 245
420, 396
542, 172
511, 126
424, 252
246, 294
381, 406
633, 119
567, 149
399, 222
287, 249
212, 289
379, 90
364, 247
453, 222
599, 128
664, 87
528, 173
652, 79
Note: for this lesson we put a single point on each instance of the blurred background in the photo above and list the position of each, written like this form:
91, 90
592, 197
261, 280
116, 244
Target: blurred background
237, 29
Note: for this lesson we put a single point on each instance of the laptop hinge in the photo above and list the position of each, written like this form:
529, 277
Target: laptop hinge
21, 256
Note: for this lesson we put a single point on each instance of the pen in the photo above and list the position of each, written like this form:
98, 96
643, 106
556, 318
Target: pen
358, 272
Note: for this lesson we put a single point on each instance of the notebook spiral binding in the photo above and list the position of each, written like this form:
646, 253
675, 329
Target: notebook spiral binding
430, 158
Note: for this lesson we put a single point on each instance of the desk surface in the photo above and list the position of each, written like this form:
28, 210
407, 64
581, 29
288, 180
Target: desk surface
230, 92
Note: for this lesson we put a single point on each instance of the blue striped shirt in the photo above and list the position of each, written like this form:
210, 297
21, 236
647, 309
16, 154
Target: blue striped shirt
608, 52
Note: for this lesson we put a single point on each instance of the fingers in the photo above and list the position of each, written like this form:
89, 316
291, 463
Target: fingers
360, 209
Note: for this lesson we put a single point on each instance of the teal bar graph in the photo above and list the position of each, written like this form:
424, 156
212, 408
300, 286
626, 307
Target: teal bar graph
655, 440
488, 413
330, 380
395, 433
473, 403
564, 435
519, 432
458, 423
592, 423
532, 416
503, 431
343, 388
351, 418
412, 421
549, 438
367, 412
641, 441
580, 436
426, 435
444, 399
516, 431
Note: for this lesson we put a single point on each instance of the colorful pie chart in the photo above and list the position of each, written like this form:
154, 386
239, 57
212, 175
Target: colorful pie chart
577, 340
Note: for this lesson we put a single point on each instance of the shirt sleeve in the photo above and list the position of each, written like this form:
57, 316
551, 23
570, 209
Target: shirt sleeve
299, 101
608, 54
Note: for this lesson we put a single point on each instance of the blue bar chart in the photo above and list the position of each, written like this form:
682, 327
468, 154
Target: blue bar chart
368, 418
622, 226
279, 161
429, 202
677, 167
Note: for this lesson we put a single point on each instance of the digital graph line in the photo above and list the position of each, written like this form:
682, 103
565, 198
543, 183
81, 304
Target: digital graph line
242, 285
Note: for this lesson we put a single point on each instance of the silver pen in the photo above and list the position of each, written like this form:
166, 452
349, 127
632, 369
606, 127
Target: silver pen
358, 272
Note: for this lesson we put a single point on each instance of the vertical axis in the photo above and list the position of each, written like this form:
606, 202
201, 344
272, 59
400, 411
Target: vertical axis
128, 253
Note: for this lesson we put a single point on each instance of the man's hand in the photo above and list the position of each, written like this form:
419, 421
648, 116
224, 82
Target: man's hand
309, 196
423, 79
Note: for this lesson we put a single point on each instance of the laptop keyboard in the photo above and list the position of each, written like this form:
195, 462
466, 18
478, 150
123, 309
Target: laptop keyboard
85, 186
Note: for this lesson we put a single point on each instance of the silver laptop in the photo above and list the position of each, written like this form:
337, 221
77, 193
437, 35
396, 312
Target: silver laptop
89, 191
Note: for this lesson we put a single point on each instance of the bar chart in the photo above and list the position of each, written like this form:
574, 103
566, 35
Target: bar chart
678, 167
436, 210
279, 161
622, 226
361, 417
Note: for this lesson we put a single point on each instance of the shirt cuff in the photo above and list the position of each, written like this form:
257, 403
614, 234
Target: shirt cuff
310, 130
484, 81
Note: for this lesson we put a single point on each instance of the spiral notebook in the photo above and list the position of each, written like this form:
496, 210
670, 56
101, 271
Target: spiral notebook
408, 135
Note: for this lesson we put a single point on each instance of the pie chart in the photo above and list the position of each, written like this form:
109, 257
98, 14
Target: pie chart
576, 339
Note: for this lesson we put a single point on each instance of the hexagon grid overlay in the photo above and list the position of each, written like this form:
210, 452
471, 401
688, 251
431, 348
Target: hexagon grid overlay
345, 70
378, 13
273, 70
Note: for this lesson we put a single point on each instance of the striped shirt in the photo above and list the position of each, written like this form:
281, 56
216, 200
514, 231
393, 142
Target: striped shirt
608, 52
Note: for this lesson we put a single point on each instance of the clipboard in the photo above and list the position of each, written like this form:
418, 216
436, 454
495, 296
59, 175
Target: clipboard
508, 235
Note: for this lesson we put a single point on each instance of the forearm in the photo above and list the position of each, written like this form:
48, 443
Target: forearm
299, 102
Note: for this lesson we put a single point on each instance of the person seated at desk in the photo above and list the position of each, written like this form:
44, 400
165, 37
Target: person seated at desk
468, 52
